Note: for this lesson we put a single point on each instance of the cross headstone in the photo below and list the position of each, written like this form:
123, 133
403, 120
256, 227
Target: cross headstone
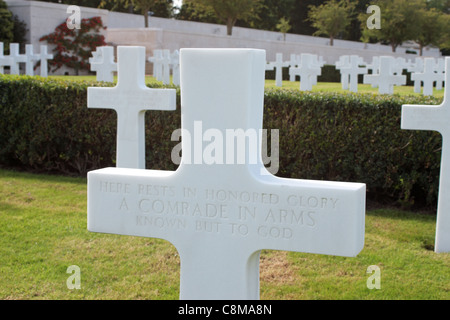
416, 67
293, 63
4, 60
278, 64
30, 57
166, 60
317, 64
436, 118
308, 70
385, 79
16, 58
102, 62
351, 71
175, 63
342, 65
397, 65
157, 64
428, 76
130, 98
374, 68
439, 67
220, 214
44, 56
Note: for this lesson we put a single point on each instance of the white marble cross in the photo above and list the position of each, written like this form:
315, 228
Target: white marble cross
439, 67
278, 64
416, 67
4, 60
293, 63
102, 62
374, 68
175, 63
220, 212
342, 65
385, 79
30, 57
351, 71
44, 56
16, 58
130, 98
157, 64
308, 70
166, 60
428, 76
436, 118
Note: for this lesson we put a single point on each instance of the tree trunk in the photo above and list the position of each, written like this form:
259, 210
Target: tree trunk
230, 24
146, 18
331, 40
394, 47
421, 49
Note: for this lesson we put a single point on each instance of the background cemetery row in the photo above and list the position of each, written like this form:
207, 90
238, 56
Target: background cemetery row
384, 72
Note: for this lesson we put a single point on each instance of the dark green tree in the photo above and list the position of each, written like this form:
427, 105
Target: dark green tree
230, 11
331, 18
6, 25
399, 22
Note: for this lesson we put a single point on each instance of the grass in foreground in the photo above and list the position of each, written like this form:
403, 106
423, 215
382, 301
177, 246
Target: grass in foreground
43, 232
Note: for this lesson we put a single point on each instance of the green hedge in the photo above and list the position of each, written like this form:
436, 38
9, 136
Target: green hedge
46, 126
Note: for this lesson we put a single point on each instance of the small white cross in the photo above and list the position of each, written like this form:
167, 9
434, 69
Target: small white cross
16, 58
278, 64
4, 60
428, 76
102, 62
308, 70
44, 56
130, 98
157, 64
385, 79
30, 58
175, 63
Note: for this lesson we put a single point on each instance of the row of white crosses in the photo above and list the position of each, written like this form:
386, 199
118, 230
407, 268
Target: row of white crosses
429, 72
388, 75
306, 66
218, 216
165, 62
386, 72
350, 68
14, 59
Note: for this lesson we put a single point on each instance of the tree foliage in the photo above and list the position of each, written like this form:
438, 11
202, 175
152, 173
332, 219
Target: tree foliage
6, 25
232, 10
331, 18
73, 47
398, 20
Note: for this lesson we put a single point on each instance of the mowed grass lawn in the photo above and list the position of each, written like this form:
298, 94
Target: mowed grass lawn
43, 232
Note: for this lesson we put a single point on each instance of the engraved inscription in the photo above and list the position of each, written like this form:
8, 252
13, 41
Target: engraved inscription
212, 211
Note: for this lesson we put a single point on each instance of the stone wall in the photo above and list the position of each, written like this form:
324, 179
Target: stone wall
128, 29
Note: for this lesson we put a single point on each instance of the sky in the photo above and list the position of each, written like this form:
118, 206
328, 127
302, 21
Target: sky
177, 2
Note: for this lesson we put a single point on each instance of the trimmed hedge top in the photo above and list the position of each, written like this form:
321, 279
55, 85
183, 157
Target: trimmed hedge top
45, 125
